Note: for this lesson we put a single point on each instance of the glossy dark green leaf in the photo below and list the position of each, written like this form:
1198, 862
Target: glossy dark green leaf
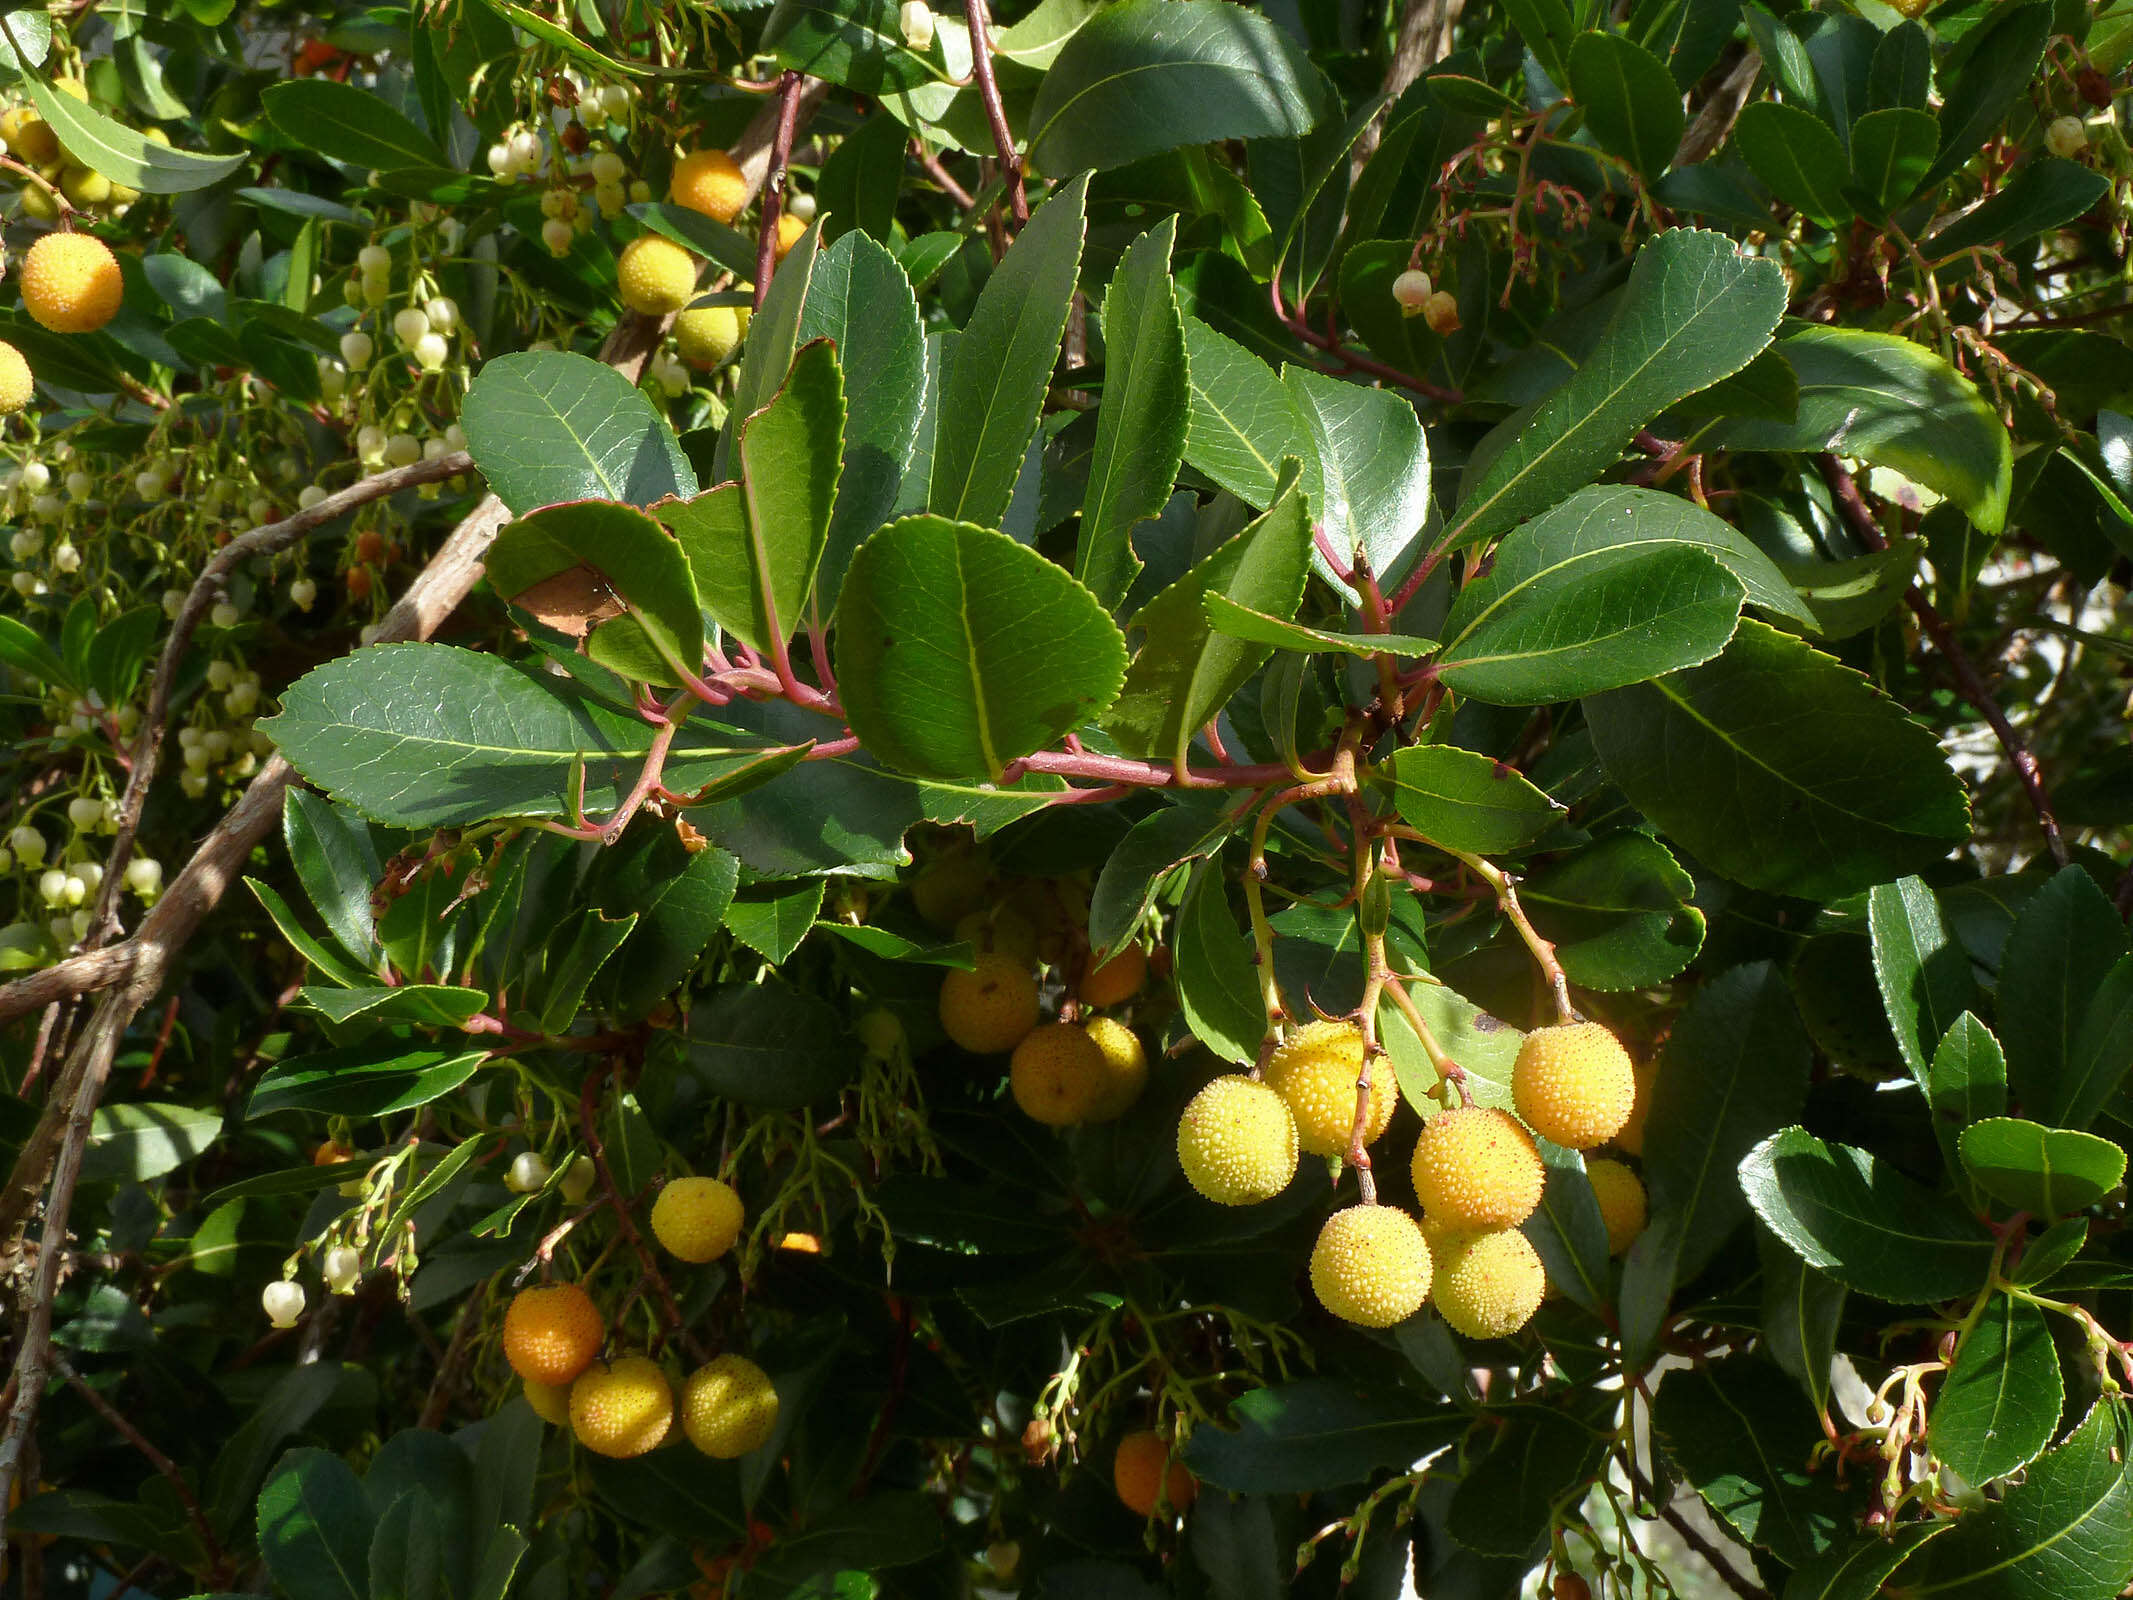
1862, 1222
1746, 1441
136, 1140
337, 863
1858, 1570
1901, 72
1366, 472
1506, 1500
995, 376
1569, 1234
2048, 1172
1798, 157
856, 43
373, 1080
1216, 969
593, 942
1549, 30
2063, 944
769, 1045
1033, 654
105, 145
1923, 972
1784, 56
1141, 418
1801, 1310
1632, 104
348, 124
772, 920
1739, 761
680, 899
1145, 76
2100, 1057
1966, 1083
1617, 911
1999, 62
1464, 800
570, 565
772, 343
2048, 193
1999, 1405
315, 1528
1153, 846
1241, 424
1891, 149
407, 1552
1185, 672
1317, 1433
548, 426
1695, 311
1241, 622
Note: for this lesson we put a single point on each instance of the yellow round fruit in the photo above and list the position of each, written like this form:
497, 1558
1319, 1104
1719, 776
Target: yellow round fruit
84, 186
1116, 981
1315, 1071
1057, 1075
1125, 1067
29, 137
621, 1408
1003, 929
552, 1333
790, 229
697, 1219
1475, 1167
1622, 1204
1574, 1084
656, 275
1237, 1142
729, 1407
550, 1402
1370, 1266
17, 385
71, 282
707, 335
1488, 1284
990, 1008
951, 887
1143, 1473
708, 181
1630, 1136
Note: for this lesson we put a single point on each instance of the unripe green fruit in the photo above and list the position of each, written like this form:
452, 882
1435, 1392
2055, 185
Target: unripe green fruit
1237, 1142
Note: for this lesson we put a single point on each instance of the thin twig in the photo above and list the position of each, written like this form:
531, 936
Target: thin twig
1003, 137
766, 238
1746, 1588
155, 1458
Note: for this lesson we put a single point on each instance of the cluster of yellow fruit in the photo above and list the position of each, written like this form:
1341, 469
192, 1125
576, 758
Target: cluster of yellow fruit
624, 1406
1477, 1172
31, 140
658, 277
70, 283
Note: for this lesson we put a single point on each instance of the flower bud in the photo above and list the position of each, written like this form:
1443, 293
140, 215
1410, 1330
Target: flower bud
373, 259
432, 350
915, 17
28, 845
528, 1172
1411, 289
556, 234
2066, 136
283, 1303
342, 1269
144, 876
356, 349
303, 594
1441, 312
85, 811
577, 1181
409, 325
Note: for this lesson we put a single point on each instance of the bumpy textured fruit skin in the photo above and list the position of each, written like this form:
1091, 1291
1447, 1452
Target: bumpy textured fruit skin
1475, 1167
1488, 1284
990, 1008
621, 1408
1116, 981
1623, 1206
706, 336
728, 1407
708, 181
552, 1333
1125, 1067
1057, 1075
697, 1219
790, 228
17, 386
656, 275
1574, 1084
1370, 1266
71, 282
550, 1402
1631, 1134
1137, 1473
1237, 1142
1315, 1071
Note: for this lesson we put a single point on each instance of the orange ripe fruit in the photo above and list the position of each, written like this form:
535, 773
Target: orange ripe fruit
1139, 1474
71, 282
1117, 980
708, 181
790, 229
552, 1332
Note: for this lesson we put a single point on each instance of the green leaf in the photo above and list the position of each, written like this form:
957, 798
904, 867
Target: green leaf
1999, 1405
141, 1139
359, 1082
1862, 1222
1891, 149
959, 650
315, 1527
680, 898
1860, 1570
1922, 971
292, 929
32, 32
1242, 622
1464, 800
1145, 76
407, 1552
2000, 61
2101, 1056
1745, 1441
1632, 104
1549, 31
773, 922
547, 426
1966, 1083
111, 148
755, 548
337, 863
1617, 911
574, 565
22, 649
573, 967
2062, 946
1505, 1502
1216, 969
2064, 1533
1185, 672
1241, 425
1141, 418
1896, 404
1151, 849
1318, 1433
1742, 762
856, 43
1695, 311
767, 354
1801, 1310
1366, 472
1569, 1234
859, 297
430, 736
344, 123
769, 1045
1798, 157
997, 372
438, 1005
2048, 193
2048, 1172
